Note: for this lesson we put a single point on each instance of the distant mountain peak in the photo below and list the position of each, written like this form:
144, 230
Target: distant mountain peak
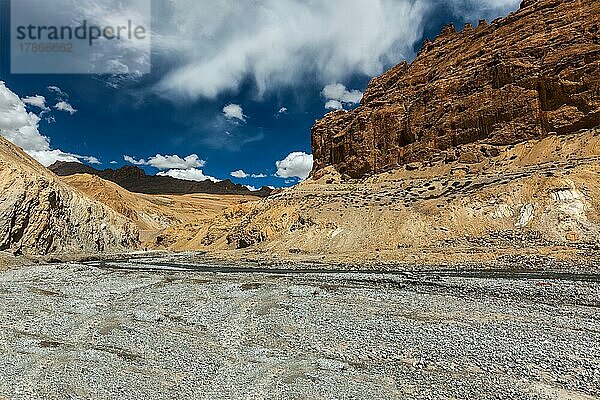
136, 180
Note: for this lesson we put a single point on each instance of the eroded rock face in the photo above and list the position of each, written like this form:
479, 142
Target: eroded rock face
40, 215
533, 73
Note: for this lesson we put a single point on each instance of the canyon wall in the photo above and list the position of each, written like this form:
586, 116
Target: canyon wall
531, 74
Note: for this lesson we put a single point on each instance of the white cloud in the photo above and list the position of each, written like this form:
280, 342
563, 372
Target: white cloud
295, 165
113, 162
91, 160
169, 162
58, 91
338, 96
281, 42
66, 107
36, 101
241, 174
215, 47
133, 161
337, 91
22, 128
334, 105
17, 125
49, 157
251, 188
274, 43
190, 174
234, 111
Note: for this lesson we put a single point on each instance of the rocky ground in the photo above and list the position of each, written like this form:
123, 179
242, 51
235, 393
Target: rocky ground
171, 328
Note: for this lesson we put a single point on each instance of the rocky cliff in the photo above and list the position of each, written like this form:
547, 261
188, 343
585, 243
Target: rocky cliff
496, 128
41, 215
533, 73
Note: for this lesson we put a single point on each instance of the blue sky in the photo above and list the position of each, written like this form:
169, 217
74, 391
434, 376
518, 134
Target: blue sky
178, 108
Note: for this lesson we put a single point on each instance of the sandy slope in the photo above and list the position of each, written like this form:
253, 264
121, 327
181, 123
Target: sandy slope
163, 220
537, 194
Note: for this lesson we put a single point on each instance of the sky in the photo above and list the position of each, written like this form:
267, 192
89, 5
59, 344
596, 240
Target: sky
226, 89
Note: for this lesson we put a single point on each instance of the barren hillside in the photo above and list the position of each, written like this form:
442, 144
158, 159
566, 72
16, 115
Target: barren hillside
41, 215
535, 195
163, 220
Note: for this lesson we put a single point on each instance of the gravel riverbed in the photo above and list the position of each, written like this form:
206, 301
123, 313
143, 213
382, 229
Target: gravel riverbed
76, 331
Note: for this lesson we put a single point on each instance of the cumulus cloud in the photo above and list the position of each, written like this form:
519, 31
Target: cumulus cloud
58, 91
169, 162
36, 101
49, 157
295, 165
22, 128
334, 105
190, 174
337, 96
66, 107
337, 91
91, 160
241, 174
234, 111
19, 126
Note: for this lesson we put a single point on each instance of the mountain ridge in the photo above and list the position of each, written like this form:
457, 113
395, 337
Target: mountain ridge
135, 179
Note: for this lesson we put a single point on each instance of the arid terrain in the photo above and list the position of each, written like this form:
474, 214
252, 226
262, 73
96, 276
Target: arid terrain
534, 196
171, 328
494, 151
163, 220
40, 214
445, 246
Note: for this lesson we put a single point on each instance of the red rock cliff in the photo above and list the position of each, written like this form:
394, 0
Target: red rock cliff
533, 73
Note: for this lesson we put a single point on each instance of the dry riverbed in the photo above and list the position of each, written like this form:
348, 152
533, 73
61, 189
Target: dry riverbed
140, 331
